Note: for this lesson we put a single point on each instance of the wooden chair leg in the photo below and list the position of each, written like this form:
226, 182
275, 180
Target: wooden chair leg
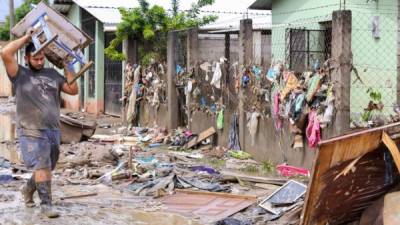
82, 71
45, 45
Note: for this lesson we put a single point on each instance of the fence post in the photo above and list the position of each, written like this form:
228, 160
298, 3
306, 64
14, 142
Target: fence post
172, 98
341, 76
398, 56
192, 64
245, 58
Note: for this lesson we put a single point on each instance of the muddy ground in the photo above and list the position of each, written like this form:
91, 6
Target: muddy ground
80, 166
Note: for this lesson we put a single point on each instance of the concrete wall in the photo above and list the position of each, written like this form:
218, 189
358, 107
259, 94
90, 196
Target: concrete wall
269, 145
5, 84
212, 48
150, 117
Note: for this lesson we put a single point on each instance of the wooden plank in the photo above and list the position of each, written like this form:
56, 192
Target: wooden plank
391, 145
255, 179
202, 136
354, 134
79, 196
251, 197
209, 207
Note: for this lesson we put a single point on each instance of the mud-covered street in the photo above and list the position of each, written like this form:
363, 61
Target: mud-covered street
94, 184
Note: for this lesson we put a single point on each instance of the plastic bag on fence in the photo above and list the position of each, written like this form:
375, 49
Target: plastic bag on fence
220, 119
313, 86
291, 83
252, 125
216, 80
206, 68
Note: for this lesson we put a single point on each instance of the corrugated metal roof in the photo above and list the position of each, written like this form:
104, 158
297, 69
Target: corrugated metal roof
107, 3
106, 11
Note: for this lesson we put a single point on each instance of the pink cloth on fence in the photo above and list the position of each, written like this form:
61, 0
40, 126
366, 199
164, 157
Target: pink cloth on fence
278, 122
313, 131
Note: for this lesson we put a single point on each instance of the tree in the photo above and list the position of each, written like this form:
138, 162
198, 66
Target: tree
20, 13
149, 26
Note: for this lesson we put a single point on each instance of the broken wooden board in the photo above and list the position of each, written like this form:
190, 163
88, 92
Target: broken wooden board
74, 130
202, 136
210, 207
226, 175
337, 201
9, 152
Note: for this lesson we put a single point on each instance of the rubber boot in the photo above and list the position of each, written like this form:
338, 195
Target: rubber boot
44, 191
27, 192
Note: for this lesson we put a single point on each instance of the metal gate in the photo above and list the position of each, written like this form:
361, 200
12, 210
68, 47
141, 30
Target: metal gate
89, 27
112, 81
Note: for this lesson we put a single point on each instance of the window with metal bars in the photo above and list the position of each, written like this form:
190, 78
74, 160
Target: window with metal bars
304, 47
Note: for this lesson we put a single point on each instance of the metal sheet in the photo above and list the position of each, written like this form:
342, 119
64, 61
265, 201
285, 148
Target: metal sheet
209, 207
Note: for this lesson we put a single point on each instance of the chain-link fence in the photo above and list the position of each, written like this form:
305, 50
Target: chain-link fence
374, 75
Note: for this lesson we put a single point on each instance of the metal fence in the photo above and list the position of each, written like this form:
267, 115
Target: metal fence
374, 74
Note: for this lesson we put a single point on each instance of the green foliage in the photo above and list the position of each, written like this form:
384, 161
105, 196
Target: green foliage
20, 13
374, 95
150, 26
268, 166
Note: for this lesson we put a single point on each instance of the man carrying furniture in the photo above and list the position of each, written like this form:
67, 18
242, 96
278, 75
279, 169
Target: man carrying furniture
38, 116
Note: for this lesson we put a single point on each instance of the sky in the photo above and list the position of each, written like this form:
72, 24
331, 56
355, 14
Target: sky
4, 8
229, 12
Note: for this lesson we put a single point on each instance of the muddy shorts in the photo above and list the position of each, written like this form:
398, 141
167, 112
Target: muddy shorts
39, 148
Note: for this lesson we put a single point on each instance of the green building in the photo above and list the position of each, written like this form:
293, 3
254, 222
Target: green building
301, 36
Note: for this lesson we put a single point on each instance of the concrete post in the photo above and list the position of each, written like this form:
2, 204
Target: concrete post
172, 97
99, 67
341, 53
398, 54
245, 58
192, 64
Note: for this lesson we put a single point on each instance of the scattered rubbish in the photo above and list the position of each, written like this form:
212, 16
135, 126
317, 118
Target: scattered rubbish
75, 130
233, 176
284, 198
105, 126
204, 169
5, 178
209, 207
232, 221
187, 182
202, 136
291, 171
239, 154
78, 196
